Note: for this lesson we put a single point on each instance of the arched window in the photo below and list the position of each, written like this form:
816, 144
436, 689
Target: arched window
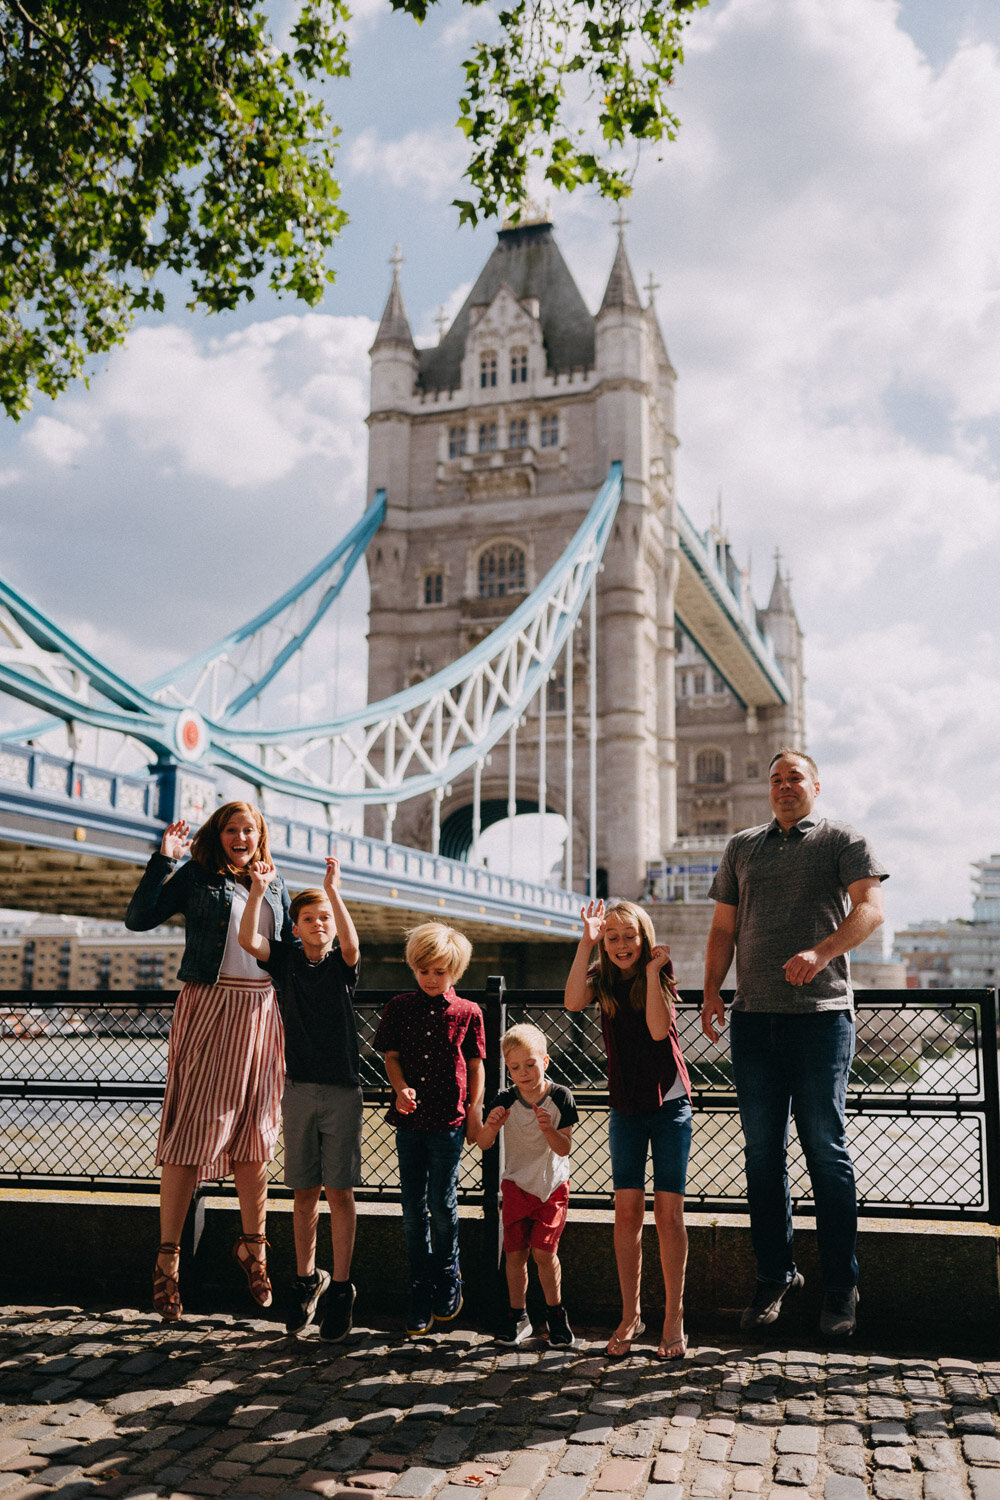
456, 442
487, 369
549, 432
501, 571
518, 366
517, 433
709, 767
434, 587
487, 437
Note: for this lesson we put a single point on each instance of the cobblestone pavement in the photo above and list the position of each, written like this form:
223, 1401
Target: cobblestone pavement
116, 1404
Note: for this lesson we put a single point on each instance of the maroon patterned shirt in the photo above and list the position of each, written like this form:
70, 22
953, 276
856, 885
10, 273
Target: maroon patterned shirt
435, 1036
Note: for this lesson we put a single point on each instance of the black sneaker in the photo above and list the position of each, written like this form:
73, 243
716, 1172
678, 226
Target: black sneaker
303, 1299
766, 1304
448, 1299
515, 1328
337, 1320
420, 1317
560, 1333
840, 1312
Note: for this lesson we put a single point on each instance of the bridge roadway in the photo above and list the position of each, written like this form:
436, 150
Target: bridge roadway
73, 838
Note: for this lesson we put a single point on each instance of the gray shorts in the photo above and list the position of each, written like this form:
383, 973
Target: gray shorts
321, 1126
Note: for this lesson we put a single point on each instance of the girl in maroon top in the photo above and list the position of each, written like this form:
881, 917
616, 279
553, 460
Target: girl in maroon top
650, 1096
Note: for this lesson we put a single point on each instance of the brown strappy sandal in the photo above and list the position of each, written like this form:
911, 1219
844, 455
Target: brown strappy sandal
255, 1267
166, 1292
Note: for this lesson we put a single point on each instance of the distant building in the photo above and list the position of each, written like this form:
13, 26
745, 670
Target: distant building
958, 954
78, 953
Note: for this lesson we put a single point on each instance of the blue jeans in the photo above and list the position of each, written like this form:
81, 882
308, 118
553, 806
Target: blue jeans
797, 1065
428, 1187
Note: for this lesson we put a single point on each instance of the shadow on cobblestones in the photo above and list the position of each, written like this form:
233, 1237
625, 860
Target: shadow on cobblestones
115, 1404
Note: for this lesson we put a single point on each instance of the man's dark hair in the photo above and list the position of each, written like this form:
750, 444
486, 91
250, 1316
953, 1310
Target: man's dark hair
786, 752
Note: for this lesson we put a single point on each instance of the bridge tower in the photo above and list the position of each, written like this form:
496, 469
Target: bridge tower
491, 446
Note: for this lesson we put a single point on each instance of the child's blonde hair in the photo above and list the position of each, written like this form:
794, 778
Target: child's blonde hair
527, 1036
433, 940
604, 975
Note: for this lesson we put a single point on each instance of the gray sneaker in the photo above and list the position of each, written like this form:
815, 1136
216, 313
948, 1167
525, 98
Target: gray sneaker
767, 1300
840, 1312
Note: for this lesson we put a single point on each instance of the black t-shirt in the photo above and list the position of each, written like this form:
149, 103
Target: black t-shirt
316, 1003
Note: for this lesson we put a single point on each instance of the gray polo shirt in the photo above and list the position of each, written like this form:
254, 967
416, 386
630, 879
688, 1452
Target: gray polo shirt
790, 892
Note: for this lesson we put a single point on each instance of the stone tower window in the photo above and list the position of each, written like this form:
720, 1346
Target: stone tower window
487, 437
549, 435
518, 366
517, 433
555, 694
487, 369
709, 767
433, 588
456, 442
501, 571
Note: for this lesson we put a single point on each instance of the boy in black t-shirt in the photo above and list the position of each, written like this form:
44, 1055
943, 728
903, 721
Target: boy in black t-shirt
321, 1110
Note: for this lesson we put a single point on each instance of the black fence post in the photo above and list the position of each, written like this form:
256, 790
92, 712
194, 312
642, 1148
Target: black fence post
991, 1102
496, 1025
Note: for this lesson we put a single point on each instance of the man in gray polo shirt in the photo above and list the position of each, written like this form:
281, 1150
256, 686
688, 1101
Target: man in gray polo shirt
793, 898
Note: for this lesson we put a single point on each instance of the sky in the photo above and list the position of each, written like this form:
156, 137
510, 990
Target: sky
825, 236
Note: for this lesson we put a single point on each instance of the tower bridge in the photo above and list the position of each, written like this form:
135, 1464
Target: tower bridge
547, 630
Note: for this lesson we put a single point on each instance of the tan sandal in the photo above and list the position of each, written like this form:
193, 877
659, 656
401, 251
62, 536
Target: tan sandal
255, 1266
619, 1347
166, 1292
675, 1348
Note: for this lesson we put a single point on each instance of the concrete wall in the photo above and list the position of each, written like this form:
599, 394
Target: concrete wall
922, 1284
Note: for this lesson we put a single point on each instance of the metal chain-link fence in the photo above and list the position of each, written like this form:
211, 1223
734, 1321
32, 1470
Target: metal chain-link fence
81, 1083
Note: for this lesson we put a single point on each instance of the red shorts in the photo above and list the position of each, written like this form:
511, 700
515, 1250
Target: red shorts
530, 1222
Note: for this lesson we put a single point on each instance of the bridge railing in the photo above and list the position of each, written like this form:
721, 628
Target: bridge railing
82, 1075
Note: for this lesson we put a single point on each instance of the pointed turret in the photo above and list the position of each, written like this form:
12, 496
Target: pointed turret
395, 325
780, 602
394, 374
621, 291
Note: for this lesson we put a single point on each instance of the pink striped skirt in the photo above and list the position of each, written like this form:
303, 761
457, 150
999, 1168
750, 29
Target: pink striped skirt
225, 1076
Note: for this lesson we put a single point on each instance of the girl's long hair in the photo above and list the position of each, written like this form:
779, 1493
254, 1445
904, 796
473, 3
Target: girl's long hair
206, 846
604, 975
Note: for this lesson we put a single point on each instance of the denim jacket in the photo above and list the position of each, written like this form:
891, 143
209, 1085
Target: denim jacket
206, 900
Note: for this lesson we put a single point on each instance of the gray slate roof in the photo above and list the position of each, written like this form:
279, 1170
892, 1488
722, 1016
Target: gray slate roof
530, 262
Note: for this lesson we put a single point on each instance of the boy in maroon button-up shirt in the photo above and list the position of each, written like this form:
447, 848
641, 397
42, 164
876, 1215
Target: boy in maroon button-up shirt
434, 1044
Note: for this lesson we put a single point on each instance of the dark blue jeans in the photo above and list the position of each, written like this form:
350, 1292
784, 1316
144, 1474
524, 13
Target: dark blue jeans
428, 1186
797, 1065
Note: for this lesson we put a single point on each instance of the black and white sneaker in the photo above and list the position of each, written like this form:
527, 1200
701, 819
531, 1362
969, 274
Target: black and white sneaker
560, 1333
767, 1300
304, 1298
337, 1320
515, 1328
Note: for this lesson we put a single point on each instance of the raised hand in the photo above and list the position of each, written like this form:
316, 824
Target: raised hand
659, 958
331, 880
175, 841
593, 920
261, 875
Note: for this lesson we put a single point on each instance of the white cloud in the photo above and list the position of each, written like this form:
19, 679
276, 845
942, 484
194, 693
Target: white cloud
429, 161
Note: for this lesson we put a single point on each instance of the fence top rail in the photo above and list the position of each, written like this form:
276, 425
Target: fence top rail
863, 999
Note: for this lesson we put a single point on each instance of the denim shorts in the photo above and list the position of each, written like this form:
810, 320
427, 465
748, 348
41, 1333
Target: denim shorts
667, 1131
